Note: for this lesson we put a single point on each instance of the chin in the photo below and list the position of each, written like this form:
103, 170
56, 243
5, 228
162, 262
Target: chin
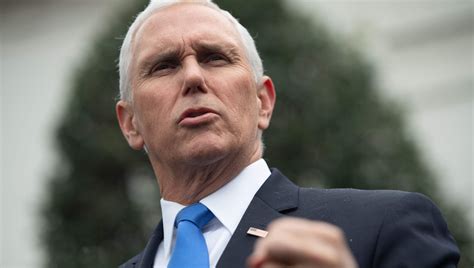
206, 156
206, 153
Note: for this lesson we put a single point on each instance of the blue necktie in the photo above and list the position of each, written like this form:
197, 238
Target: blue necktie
191, 249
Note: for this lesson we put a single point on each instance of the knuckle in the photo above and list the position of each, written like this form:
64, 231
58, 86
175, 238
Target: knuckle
338, 234
335, 234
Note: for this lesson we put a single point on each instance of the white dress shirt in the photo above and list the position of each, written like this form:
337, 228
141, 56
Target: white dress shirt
228, 204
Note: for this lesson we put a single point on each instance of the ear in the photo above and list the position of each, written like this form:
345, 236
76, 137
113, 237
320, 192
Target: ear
266, 96
128, 124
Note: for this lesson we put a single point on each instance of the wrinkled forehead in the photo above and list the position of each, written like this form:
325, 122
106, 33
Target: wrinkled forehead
181, 19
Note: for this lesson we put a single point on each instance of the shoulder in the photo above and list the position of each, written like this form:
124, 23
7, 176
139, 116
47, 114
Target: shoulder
361, 195
376, 206
133, 262
400, 227
347, 203
366, 200
278, 183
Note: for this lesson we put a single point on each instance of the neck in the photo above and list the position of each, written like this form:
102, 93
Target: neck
187, 184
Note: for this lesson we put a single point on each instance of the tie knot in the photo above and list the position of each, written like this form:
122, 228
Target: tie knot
196, 213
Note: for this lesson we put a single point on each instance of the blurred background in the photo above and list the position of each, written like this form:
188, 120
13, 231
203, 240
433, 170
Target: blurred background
416, 63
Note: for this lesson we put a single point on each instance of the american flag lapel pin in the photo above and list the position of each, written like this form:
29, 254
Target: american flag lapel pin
257, 232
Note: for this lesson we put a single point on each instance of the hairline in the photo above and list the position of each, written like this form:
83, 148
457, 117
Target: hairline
127, 49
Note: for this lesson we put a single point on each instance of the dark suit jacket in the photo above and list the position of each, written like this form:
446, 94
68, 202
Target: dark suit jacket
383, 228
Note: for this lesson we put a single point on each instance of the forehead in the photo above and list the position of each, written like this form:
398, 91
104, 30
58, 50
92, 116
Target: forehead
185, 23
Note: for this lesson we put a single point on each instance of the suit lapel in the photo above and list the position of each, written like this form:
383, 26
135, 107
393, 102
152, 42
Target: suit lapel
277, 195
152, 247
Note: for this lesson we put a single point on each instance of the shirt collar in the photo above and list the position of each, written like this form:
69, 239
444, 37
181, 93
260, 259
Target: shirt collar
228, 204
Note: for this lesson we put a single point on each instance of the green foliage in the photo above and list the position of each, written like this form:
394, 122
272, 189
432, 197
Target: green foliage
330, 128
91, 220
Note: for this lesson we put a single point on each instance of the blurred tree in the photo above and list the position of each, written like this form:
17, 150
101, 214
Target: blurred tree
330, 129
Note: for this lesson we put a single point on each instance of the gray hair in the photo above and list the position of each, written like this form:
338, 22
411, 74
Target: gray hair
126, 51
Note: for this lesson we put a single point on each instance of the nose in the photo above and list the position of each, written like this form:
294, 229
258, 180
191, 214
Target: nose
193, 81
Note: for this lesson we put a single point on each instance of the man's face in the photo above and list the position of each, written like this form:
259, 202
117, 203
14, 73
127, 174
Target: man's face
194, 94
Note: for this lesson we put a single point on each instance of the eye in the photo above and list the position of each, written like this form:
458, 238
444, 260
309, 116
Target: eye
216, 59
163, 67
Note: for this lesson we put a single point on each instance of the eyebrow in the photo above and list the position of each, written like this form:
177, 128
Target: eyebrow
219, 47
173, 52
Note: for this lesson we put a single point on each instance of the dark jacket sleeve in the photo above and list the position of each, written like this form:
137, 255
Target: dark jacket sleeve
414, 234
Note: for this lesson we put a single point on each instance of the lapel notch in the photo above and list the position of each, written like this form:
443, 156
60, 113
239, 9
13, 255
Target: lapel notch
277, 195
279, 192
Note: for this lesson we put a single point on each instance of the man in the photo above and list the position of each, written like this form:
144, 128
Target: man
193, 95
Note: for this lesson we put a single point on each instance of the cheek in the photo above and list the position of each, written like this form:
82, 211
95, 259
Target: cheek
246, 98
240, 98
153, 109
